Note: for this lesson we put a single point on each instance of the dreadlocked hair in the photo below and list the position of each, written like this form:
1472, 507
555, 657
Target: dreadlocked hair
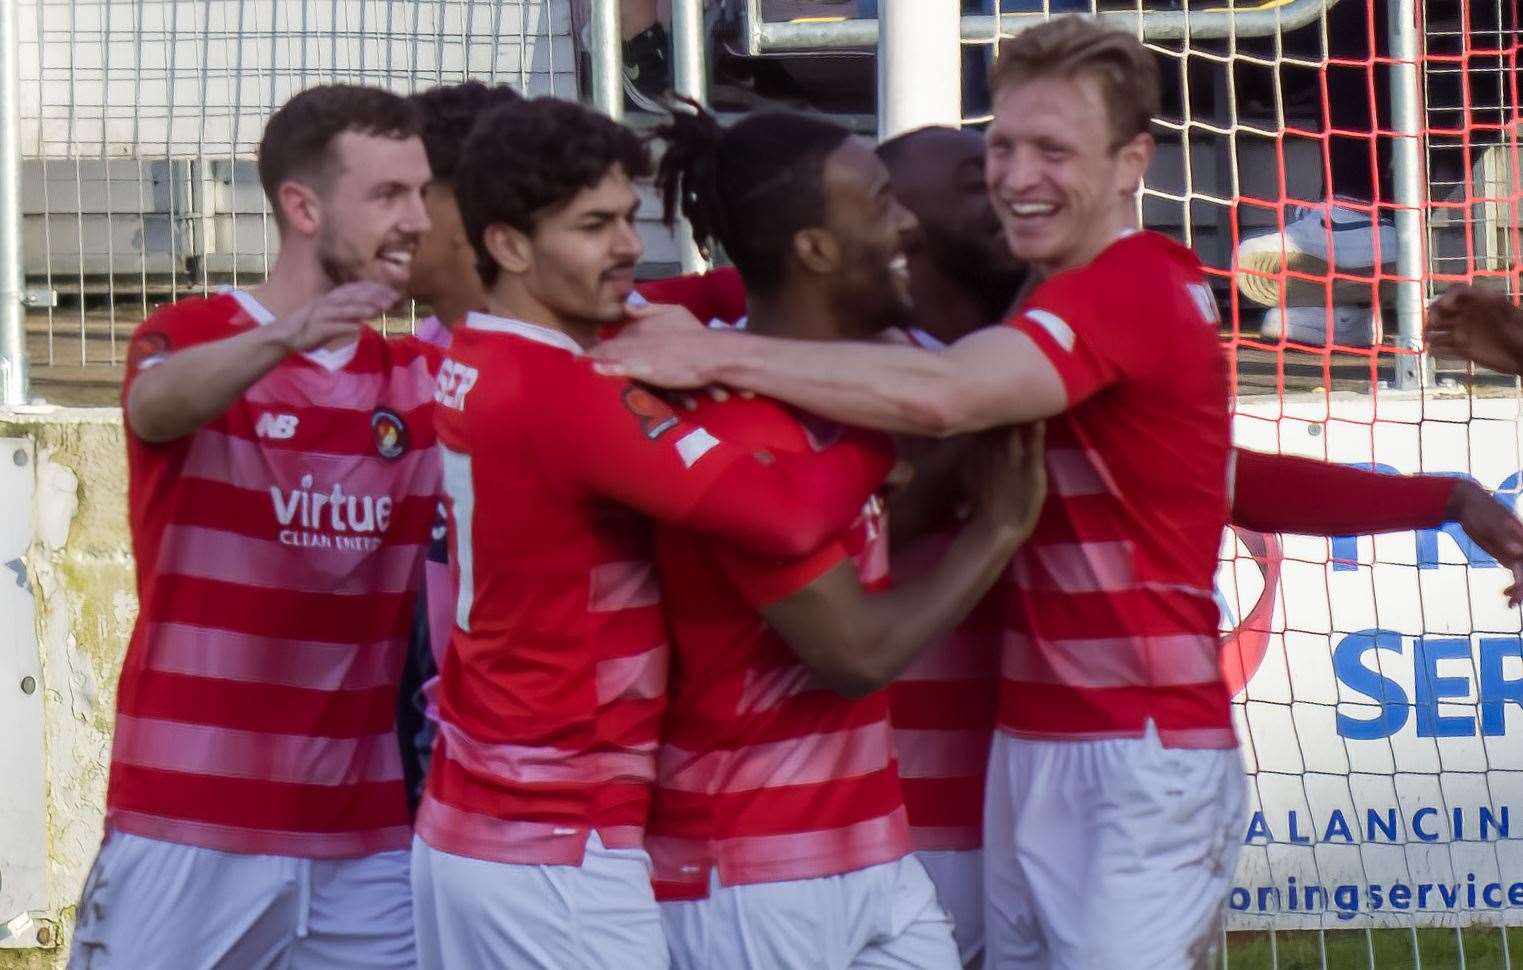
750, 187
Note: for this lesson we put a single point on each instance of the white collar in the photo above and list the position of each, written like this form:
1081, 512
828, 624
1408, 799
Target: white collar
329, 359
477, 320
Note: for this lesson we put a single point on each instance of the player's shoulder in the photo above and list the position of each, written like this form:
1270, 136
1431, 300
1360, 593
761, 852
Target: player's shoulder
759, 422
215, 314
1146, 260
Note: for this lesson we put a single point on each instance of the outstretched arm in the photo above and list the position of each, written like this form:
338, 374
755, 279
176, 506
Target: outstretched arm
857, 642
991, 377
1283, 493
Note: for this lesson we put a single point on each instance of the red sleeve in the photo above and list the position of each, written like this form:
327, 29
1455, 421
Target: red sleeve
621, 442
1282, 493
1064, 319
764, 580
717, 295
170, 329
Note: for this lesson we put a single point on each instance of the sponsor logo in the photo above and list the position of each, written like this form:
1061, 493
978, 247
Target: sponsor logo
390, 432
278, 426
654, 415
454, 382
331, 519
147, 349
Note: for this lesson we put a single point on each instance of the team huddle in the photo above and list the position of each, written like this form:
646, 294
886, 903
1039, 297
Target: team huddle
849, 608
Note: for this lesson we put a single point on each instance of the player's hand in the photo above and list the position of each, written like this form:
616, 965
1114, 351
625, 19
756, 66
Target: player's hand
661, 318
1007, 477
1494, 527
338, 313
1476, 325
654, 352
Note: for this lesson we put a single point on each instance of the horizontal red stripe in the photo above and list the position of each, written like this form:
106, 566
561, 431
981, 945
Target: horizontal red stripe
248, 803
1050, 710
945, 802
808, 760
778, 810
946, 705
1139, 612
568, 804
811, 855
278, 613
708, 721
257, 707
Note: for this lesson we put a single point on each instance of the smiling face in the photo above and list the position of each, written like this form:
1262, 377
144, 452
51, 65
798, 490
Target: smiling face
1061, 185
939, 176
872, 231
372, 210
580, 260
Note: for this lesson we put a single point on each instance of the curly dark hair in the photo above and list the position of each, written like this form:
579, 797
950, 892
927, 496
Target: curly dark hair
298, 135
750, 187
530, 157
448, 113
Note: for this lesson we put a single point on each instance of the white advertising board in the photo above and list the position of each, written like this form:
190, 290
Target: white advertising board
1380, 710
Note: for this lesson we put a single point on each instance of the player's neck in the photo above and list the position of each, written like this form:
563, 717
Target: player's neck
452, 307
296, 279
943, 308
1109, 227
798, 313
515, 302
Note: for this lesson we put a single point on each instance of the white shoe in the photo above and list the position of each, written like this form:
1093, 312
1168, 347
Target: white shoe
1315, 241
1353, 326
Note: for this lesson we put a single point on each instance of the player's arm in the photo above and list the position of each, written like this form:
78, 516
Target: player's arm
857, 642
991, 377
174, 393
1284, 493
622, 443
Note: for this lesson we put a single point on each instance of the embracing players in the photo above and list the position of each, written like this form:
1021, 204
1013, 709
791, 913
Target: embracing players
529, 837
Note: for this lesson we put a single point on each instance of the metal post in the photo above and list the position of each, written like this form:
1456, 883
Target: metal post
690, 77
919, 65
13, 379
1410, 189
605, 48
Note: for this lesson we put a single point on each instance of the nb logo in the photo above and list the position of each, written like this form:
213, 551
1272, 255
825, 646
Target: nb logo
454, 383
278, 426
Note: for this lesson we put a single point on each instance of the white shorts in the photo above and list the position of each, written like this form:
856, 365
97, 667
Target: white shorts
149, 904
1113, 853
600, 915
959, 879
884, 917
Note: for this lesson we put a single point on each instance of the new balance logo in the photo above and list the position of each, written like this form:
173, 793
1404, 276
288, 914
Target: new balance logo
277, 426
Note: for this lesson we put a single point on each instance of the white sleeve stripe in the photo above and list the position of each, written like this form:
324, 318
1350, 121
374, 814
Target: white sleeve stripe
1057, 328
694, 445
462, 496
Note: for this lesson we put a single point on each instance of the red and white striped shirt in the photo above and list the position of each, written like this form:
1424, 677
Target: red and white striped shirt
765, 774
553, 685
1112, 621
277, 551
943, 709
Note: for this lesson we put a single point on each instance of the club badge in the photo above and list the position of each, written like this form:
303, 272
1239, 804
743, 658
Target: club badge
390, 433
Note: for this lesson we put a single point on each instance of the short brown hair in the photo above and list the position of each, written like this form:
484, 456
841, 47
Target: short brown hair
298, 136
1073, 45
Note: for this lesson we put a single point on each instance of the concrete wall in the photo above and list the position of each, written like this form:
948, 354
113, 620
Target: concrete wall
79, 568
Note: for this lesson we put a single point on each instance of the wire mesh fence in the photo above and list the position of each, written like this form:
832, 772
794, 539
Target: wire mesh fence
139, 122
